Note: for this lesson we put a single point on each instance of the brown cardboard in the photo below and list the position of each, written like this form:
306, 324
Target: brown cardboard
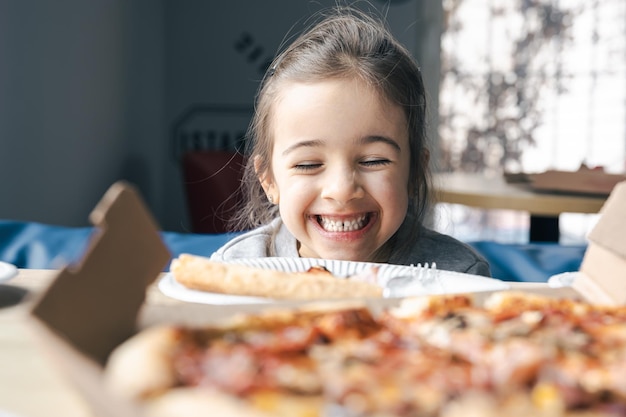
603, 269
93, 306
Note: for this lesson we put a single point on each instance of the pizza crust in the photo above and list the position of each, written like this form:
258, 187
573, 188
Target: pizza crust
142, 367
201, 273
195, 402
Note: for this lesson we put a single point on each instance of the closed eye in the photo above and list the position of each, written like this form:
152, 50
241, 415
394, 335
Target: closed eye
306, 167
375, 162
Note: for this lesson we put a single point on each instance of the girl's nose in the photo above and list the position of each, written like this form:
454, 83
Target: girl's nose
342, 186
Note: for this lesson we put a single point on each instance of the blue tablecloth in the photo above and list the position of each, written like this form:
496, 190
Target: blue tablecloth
42, 246
532, 262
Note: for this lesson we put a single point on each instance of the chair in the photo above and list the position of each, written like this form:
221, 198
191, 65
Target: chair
206, 143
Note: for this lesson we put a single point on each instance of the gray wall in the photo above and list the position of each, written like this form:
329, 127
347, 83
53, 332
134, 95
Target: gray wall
90, 91
80, 105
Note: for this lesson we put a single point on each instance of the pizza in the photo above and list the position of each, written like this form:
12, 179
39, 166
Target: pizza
513, 354
201, 273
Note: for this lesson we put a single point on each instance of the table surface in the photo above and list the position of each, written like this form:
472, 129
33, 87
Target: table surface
31, 385
493, 192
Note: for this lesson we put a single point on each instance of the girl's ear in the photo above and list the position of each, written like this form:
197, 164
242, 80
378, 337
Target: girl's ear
265, 178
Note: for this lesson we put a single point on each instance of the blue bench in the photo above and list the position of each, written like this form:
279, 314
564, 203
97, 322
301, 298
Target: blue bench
42, 246
530, 262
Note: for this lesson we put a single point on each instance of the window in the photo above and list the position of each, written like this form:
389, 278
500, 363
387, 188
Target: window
530, 85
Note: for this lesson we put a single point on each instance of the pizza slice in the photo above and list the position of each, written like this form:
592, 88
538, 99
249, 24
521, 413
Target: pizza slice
255, 365
517, 354
562, 357
200, 273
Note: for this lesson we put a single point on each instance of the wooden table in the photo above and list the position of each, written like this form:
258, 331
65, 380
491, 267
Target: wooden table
31, 385
493, 192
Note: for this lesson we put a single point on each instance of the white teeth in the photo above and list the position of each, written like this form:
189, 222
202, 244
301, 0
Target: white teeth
342, 225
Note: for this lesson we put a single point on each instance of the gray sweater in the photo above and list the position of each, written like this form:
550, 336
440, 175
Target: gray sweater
274, 239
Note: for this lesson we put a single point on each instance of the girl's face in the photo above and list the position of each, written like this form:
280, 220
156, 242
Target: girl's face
340, 168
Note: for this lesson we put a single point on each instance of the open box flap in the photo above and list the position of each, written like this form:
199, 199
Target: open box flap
603, 269
94, 305
610, 231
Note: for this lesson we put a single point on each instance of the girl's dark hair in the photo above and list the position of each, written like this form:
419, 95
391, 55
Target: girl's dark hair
344, 43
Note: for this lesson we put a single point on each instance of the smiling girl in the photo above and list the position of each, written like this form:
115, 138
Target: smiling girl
338, 160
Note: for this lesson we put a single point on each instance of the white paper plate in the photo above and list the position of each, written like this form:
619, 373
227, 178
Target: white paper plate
7, 271
448, 282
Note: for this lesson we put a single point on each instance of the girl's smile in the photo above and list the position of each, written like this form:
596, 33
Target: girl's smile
339, 168
343, 223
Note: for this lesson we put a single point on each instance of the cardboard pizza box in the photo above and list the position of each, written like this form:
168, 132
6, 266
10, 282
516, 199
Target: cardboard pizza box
602, 277
93, 306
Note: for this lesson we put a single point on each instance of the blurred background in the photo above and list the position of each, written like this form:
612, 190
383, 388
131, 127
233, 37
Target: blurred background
100, 90
97, 91
528, 86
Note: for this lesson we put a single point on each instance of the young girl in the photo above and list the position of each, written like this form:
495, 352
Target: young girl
338, 160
